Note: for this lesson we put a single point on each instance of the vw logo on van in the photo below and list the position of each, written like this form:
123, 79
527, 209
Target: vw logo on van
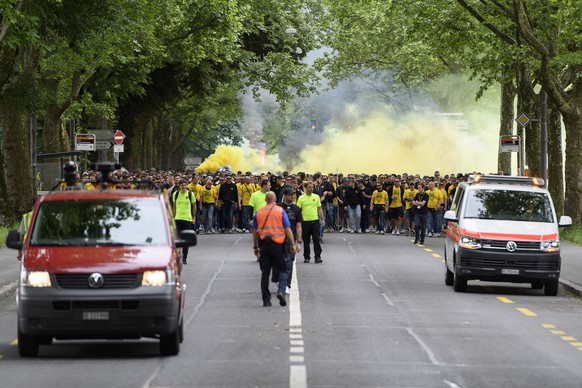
511, 246
96, 280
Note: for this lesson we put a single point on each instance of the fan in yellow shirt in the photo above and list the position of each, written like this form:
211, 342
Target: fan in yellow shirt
378, 204
245, 191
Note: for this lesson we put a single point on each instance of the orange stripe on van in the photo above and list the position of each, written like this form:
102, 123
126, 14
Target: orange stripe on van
509, 236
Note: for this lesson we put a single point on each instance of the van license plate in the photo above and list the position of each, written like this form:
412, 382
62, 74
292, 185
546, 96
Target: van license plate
95, 315
506, 271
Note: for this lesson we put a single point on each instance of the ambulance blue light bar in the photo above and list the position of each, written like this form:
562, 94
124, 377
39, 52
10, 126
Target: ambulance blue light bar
506, 179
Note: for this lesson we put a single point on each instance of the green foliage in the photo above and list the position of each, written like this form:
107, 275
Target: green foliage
572, 234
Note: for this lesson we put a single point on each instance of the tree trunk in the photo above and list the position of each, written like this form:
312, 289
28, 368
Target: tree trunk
148, 145
135, 143
506, 127
529, 103
17, 160
51, 133
573, 199
555, 158
6, 212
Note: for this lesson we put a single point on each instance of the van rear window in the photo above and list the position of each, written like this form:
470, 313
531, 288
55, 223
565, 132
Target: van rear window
509, 205
100, 222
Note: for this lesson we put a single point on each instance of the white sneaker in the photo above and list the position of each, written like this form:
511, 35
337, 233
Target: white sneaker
382, 232
393, 231
287, 290
429, 234
398, 233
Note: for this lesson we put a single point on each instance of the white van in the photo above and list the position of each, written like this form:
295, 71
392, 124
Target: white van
503, 229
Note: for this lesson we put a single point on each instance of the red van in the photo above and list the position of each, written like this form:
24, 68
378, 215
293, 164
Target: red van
101, 264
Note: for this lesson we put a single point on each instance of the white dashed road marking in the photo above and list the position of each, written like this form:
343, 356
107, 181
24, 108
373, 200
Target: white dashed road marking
297, 370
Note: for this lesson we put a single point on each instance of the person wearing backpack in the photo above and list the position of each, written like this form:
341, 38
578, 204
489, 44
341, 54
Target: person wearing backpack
184, 205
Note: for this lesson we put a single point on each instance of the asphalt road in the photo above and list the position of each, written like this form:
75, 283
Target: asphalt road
376, 313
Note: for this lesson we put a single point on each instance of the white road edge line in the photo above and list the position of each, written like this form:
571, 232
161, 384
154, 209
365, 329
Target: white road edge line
297, 370
425, 347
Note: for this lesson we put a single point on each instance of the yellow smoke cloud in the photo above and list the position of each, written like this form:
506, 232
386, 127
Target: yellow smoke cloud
239, 159
414, 143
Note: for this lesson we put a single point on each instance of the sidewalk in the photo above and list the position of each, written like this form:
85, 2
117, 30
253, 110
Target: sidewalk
9, 270
571, 277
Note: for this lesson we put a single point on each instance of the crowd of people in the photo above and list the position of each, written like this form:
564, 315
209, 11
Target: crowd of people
351, 203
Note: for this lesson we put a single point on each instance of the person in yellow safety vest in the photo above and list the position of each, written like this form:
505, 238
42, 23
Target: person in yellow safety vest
270, 227
25, 226
184, 203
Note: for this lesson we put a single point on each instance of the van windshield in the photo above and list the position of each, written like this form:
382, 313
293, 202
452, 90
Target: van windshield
100, 222
509, 205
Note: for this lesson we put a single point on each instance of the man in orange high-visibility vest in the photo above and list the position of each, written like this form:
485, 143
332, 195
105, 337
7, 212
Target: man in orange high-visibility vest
270, 228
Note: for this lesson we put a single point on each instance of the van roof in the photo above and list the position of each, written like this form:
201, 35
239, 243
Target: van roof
507, 180
71, 195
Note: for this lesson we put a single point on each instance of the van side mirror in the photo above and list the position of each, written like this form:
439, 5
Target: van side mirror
450, 216
13, 240
188, 238
565, 221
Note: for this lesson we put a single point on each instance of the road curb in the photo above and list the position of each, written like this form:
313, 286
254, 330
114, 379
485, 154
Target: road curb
571, 287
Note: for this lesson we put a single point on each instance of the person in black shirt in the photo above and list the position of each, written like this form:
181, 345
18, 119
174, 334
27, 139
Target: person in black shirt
367, 196
354, 200
228, 194
420, 213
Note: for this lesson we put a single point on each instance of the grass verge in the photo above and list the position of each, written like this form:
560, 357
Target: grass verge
572, 234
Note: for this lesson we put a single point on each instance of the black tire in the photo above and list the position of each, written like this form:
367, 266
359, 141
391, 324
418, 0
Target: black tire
27, 345
45, 340
537, 284
449, 276
170, 343
551, 287
459, 283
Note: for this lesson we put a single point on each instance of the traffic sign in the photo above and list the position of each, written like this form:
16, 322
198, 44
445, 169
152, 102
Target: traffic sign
523, 119
85, 142
118, 137
118, 148
103, 144
509, 143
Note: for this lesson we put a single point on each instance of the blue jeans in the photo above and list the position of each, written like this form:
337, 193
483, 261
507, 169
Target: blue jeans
431, 220
354, 217
380, 216
207, 213
329, 215
439, 216
227, 214
247, 216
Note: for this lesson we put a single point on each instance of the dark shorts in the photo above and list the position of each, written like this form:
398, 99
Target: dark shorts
396, 212
410, 214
